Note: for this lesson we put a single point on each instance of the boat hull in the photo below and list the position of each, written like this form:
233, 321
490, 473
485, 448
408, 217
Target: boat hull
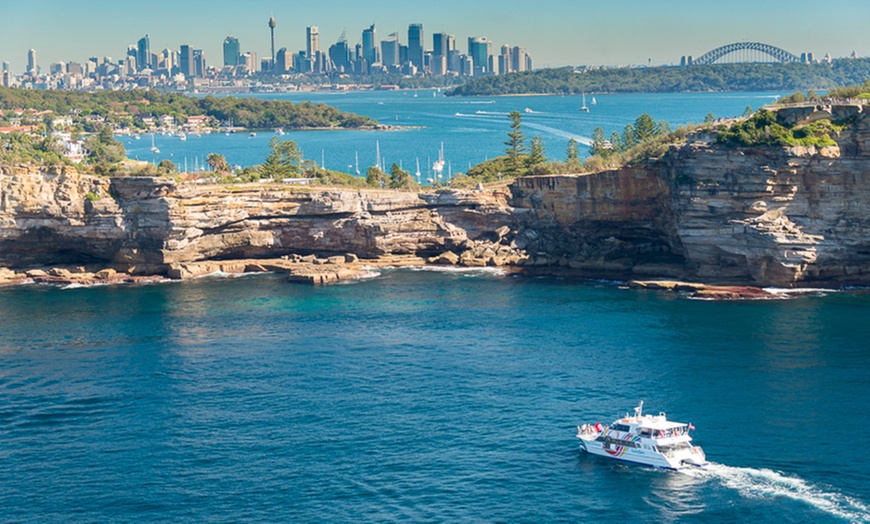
646, 457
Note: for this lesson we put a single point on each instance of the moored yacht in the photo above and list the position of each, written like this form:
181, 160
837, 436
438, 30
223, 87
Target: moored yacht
644, 439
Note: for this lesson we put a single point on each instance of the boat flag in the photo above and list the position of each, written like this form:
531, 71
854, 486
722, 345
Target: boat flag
691, 427
598, 426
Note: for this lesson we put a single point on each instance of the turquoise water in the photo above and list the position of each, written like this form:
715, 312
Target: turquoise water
423, 396
471, 129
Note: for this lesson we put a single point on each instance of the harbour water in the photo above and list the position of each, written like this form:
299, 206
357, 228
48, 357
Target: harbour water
470, 129
423, 396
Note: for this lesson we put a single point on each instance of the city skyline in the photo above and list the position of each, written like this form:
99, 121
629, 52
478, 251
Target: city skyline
559, 33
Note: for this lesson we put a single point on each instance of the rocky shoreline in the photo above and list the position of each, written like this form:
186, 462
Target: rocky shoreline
745, 218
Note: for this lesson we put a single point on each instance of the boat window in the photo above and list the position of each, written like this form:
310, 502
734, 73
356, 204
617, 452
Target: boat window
621, 427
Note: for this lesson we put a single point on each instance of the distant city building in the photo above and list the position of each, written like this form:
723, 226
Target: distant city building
31, 62
479, 49
199, 66
232, 51
390, 50
143, 53
369, 46
283, 61
339, 55
312, 40
185, 61
415, 45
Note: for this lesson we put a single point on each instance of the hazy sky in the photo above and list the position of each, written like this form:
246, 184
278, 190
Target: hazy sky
555, 33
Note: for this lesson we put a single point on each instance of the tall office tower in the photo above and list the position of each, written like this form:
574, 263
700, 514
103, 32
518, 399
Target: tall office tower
249, 60
185, 61
479, 49
5, 66
232, 51
518, 59
415, 45
504, 60
390, 50
31, 62
143, 53
439, 44
284, 61
312, 40
198, 63
166, 60
369, 47
272, 30
339, 54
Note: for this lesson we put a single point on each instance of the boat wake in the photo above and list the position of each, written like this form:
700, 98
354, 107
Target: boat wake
766, 483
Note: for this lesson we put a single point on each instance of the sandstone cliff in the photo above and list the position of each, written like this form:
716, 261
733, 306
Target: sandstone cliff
706, 212
760, 215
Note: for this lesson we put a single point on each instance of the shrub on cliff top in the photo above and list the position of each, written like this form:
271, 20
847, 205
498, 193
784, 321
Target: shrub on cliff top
762, 129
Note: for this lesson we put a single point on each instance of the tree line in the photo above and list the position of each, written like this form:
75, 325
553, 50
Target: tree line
129, 107
715, 77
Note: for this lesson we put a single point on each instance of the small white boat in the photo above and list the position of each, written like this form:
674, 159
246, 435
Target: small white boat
182, 137
252, 135
136, 136
279, 131
583, 107
643, 439
153, 147
528, 110
593, 101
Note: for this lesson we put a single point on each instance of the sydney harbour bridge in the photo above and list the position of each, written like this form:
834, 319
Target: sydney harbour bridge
745, 52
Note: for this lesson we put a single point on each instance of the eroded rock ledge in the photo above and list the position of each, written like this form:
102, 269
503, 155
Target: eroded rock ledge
705, 213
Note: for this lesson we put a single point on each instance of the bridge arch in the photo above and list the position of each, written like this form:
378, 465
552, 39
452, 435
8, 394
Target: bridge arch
776, 53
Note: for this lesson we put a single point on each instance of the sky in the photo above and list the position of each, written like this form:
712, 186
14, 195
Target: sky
556, 33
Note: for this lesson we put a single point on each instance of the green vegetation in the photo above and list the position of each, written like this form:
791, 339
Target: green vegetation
126, 109
20, 148
763, 129
716, 77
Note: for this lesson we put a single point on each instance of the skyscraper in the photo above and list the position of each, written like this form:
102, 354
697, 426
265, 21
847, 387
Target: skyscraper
198, 63
272, 29
143, 53
390, 50
232, 51
479, 49
369, 48
31, 62
185, 61
415, 45
312, 40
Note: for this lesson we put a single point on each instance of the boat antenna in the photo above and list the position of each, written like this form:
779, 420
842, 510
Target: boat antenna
638, 411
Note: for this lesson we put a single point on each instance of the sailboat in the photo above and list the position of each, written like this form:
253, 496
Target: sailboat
438, 166
418, 170
583, 107
356, 157
377, 154
593, 101
153, 147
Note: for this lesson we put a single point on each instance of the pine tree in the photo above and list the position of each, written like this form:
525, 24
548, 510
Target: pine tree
599, 144
516, 144
536, 151
573, 151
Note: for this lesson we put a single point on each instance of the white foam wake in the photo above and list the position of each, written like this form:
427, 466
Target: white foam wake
763, 483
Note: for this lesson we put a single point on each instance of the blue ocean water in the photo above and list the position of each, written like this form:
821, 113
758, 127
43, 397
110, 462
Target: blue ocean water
471, 129
423, 396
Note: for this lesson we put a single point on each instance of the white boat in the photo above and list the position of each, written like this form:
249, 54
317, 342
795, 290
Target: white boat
584, 108
593, 101
528, 110
153, 147
182, 137
643, 439
252, 135
136, 136
279, 131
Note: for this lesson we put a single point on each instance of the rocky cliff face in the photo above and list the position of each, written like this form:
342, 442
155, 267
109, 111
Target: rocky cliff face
762, 215
148, 224
766, 216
